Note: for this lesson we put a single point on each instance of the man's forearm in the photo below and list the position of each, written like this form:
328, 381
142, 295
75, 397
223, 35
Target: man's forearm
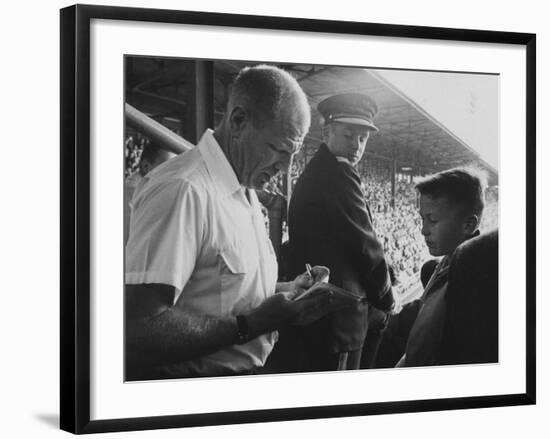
176, 335
160, 333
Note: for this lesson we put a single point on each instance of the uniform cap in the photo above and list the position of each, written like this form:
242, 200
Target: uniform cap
354, 108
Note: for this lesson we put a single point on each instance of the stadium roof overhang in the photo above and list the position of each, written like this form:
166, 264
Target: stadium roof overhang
407, 133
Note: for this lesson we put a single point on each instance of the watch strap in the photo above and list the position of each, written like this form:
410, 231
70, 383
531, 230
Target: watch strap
242, 329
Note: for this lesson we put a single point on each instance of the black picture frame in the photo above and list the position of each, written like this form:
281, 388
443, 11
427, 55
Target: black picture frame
75, 217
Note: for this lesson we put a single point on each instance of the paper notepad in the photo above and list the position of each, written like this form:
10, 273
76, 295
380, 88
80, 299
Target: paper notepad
340, 293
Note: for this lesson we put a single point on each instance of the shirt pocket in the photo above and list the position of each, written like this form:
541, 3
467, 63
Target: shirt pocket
234, 273
233, 260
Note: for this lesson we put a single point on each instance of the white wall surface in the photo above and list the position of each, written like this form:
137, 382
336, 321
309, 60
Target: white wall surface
29, 218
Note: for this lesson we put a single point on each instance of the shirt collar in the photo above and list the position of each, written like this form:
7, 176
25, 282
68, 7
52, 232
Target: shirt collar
337, 158
343, 160
439, 275
442, 269
218, 166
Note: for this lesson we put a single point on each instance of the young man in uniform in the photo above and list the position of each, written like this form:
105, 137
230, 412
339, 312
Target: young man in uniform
330, 224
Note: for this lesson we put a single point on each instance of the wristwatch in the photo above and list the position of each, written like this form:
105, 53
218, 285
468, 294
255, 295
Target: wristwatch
242, 329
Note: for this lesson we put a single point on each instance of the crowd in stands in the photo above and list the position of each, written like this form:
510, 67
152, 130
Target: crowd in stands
133, 147
398, 227
489, 221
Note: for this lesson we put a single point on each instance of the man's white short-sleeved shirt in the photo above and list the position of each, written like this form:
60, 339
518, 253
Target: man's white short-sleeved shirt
193, 227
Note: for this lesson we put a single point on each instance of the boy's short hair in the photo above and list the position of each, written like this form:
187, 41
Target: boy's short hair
461, 186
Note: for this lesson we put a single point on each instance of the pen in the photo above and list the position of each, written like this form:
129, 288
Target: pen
308, 269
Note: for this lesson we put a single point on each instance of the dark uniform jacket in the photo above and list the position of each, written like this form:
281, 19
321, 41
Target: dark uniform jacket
330, 224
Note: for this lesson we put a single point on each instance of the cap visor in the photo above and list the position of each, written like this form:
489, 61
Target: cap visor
356, 121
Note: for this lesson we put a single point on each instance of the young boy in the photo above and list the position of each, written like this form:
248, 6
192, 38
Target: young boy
451, 204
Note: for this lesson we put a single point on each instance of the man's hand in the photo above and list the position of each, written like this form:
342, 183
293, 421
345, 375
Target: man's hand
281, 309
305, 280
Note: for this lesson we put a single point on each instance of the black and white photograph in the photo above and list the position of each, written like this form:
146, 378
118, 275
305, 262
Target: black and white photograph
272, 219
297, 218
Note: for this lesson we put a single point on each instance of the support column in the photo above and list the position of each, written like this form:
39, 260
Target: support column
200, 109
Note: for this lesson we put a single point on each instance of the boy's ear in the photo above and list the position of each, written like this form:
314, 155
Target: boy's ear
471, 224
238, 120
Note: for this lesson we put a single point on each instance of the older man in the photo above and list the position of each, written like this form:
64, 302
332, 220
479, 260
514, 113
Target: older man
330, 224
200, 269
